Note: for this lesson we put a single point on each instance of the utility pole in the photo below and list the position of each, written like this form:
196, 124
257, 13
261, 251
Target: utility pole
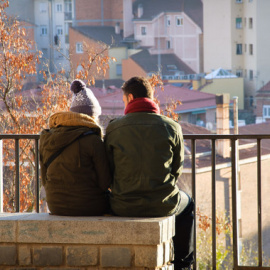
238, 179
50, 13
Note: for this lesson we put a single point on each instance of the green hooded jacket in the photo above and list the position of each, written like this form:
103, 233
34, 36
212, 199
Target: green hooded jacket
146, 154
76, 180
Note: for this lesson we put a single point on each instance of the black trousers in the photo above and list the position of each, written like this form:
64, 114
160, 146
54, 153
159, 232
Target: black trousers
184, 233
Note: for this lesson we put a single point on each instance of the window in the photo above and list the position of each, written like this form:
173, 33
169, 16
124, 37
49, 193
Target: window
251, 100
59, 30
68, 6
266, 111
68, 9
43, 30
79, 68
79, 47
59, 8
168, 20
56, 40
238, 49
238, 23
250, 23
251, 49
239, 73
239, 1
119, 70
179, 21
43, 7
251, 75
45, 53
171, 67
168, 44
245, 48
143, 30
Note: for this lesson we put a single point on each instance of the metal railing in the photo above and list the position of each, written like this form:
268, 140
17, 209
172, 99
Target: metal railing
16, 139
192, 138
233, 139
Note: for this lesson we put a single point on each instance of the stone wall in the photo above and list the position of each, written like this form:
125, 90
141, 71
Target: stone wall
46, 242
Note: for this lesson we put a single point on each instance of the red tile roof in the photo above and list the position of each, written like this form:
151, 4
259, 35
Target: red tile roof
264, 91
112, 103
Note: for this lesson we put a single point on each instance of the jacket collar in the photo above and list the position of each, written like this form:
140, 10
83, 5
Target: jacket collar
68, 119
142, 105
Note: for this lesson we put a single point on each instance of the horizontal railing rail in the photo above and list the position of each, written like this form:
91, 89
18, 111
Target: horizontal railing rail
192, 138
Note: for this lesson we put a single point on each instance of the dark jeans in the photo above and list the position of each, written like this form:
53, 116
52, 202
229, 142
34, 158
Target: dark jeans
184, 233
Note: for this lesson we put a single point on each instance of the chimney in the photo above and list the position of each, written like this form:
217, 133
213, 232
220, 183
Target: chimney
117, 28
140, 10
127, 18
222, 115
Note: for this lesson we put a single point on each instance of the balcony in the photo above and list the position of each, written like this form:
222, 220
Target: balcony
68, 16
233, 163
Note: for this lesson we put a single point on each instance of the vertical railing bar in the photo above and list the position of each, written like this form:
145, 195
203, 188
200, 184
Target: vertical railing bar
234, 204
1, 177
213, 159
193, 167
37, 173
17, 176
259, 191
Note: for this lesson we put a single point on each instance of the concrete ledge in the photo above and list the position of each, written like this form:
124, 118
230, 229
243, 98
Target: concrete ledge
37, 240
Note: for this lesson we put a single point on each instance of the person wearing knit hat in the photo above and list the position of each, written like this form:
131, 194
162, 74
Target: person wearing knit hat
74, 167
83, 100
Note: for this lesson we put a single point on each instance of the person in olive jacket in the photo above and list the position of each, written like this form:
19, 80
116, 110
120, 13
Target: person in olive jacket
74, 166
146, 154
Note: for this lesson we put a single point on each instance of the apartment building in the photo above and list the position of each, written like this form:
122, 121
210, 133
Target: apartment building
51, 20
236, 38
172, 26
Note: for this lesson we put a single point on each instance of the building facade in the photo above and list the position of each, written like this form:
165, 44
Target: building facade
51, 20
168, 27
235, 38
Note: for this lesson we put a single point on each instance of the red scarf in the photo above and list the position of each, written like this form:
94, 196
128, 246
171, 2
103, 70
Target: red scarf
142, 105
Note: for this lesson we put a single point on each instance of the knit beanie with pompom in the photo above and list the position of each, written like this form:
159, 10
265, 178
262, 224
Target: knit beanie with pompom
83, 100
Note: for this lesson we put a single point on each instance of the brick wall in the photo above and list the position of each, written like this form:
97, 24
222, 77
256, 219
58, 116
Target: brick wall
130, 69
259, 106
77, 58
90, 12
46, 242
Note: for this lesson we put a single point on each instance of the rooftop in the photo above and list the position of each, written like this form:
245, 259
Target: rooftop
170, 63
152, 8
106, 34
220, 74
264, 91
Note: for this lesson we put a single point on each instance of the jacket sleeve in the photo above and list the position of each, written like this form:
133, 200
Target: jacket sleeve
41, 158
109, 152
178, 155
101, 164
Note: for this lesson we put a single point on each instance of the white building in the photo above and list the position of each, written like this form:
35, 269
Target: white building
236, 38
52, 19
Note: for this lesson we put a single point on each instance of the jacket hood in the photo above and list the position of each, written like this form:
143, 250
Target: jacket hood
65, 127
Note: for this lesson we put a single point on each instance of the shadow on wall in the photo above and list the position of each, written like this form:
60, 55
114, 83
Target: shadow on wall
250, 249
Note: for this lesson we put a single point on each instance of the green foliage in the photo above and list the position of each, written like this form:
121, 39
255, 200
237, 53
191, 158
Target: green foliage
224, 253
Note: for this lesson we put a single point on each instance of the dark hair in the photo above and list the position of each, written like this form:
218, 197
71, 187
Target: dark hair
138, 87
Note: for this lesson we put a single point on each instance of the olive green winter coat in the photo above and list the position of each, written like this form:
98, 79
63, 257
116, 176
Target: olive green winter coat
146, 155
75, 182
